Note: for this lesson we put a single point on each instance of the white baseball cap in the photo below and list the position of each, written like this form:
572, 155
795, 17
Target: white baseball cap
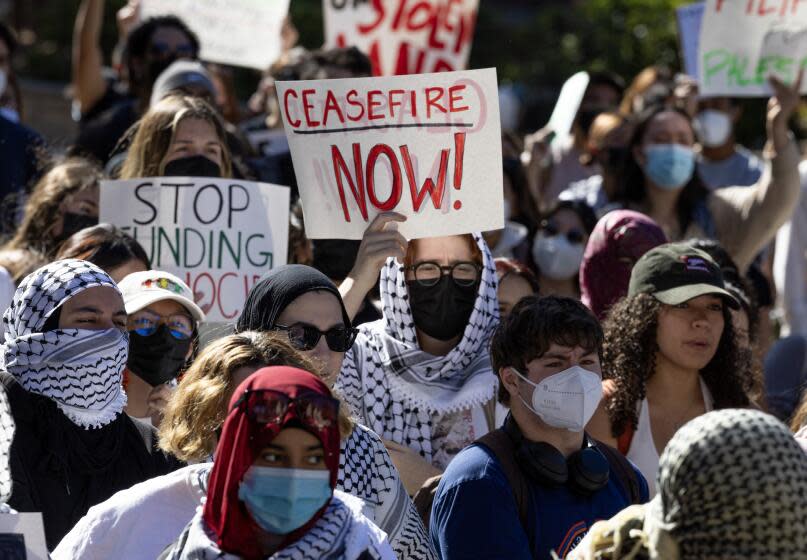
141, 289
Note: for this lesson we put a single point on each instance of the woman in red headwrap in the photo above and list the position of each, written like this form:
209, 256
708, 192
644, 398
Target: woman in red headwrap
271, 492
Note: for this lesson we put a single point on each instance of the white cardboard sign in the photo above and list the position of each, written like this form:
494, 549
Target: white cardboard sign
426, 146
743, 42
567, 106
237, 32
22, 531
218, 235
404, 36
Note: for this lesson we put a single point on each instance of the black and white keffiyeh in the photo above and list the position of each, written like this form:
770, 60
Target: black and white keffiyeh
342, 533
395, 387
6, 437
80, 370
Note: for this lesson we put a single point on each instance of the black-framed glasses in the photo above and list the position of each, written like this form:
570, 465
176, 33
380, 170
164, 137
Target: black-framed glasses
550, 230
146, 323
429, 273
267, 406
305, 337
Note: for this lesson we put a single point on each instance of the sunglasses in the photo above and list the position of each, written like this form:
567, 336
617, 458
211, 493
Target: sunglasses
146, 323
574, 236
306, 337
159, 49
266, 406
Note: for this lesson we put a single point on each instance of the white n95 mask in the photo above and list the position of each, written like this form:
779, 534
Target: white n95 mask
567, 399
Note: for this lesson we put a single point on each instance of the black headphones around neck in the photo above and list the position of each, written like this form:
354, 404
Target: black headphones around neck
585, 471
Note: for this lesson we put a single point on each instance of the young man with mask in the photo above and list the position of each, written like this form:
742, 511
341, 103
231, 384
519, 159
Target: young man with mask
541, 483
163, 323
722, 162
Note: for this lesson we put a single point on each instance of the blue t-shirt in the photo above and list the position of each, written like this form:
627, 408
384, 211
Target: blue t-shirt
474, 515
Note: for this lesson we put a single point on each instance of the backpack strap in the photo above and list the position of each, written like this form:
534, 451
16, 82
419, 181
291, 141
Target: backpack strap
500, 444
623, 470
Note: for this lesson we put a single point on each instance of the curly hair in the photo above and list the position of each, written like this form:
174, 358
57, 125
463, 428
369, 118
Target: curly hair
629, 359
198, 408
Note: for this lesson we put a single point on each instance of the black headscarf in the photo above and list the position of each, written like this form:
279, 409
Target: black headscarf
277, 289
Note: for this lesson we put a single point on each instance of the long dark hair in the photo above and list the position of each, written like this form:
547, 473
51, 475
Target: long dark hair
629, 358
633, 191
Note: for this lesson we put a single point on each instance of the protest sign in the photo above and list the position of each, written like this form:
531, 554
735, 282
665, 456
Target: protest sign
427, 146
567, 106
22, 535
404, 36
237, 32
219, 235
689, 20
743, 42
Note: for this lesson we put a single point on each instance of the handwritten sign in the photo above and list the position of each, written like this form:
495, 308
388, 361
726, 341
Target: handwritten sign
743, 42
404, 36
427, 146
219, 235
22, 535
689, 20
237, 32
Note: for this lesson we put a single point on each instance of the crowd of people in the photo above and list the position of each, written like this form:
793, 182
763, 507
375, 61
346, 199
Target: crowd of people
618, 373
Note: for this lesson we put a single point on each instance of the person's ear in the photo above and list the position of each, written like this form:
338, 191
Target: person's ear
509, 380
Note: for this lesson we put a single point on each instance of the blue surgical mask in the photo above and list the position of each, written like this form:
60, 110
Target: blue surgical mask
669, 166
282, 500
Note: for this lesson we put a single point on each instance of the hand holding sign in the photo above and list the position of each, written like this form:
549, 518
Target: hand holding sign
781, 107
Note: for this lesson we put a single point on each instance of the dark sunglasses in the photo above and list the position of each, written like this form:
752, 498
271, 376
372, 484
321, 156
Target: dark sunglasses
266, 406
574, 236
306, 337
159, 49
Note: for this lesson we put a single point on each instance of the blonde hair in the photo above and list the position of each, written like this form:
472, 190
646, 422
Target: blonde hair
156, 131
198, 408
34, 241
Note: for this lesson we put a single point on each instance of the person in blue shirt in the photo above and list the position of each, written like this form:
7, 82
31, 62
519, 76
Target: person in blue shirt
546, 354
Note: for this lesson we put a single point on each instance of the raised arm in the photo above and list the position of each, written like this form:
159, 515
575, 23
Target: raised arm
88, 80
747, 218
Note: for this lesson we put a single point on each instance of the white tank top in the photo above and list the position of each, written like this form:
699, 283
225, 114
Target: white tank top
643, 452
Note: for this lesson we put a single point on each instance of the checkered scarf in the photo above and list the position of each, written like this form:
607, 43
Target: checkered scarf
342, 533
6, 436
732, 484
395, 387
79, 369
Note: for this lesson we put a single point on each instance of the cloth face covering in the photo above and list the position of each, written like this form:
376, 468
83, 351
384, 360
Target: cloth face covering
619, 239
6, 437
567, 399
712, 127
556, 256
192, 166
242, 439
442, 310
669, 166
157, 358
81, 370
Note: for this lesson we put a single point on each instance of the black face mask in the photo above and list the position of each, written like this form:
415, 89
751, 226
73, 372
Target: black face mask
442, 311
72, 223
193, 166
157, 358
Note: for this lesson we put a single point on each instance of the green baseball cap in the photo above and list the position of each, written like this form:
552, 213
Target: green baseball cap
675, 273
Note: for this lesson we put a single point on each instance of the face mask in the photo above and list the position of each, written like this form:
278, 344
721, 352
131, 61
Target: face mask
282, 500
669, 166
193, 166
157, 358
10, 114
507, 210
567, 399
556, 256
442, 311
712, 127
72, 223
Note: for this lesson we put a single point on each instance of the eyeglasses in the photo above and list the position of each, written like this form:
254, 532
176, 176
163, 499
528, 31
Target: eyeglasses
266, 406
146, 323
574, 236
306, 337
430, 273
158, 49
